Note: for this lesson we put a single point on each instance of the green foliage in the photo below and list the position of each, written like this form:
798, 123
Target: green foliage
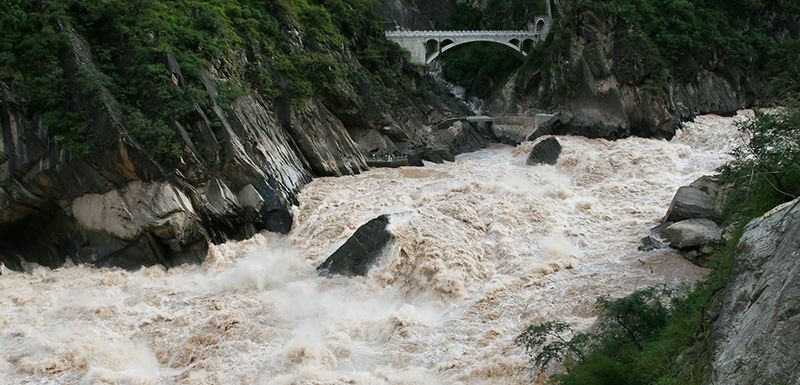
156, 58
637, 317
512, 14
656, 42
70, 129
547, 342
156, 136
479, 67
636, 341
765, 170
597, 369
680, 36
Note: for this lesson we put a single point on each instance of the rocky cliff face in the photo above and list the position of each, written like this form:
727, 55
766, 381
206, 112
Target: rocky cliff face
596, 76
415, 14
241, 162
599, 76
756, 334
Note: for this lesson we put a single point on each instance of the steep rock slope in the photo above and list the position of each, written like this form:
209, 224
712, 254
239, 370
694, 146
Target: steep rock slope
415, 14
613, 70
757, 332
145, 144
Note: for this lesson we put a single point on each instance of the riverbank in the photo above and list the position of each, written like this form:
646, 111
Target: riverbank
484, 246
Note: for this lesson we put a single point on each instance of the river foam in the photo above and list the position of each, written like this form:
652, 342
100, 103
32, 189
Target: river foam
484, 246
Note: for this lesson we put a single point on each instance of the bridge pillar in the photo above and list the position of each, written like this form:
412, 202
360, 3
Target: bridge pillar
414, 46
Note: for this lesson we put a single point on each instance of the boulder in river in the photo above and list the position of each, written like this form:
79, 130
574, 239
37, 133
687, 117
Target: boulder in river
361, 251
546, 151
690, 202
652, 242
693, 233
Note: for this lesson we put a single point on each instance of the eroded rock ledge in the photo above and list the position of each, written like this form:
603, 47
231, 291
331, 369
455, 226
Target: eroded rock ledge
242, 162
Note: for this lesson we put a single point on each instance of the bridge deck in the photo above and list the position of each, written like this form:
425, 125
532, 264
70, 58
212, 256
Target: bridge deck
473, 34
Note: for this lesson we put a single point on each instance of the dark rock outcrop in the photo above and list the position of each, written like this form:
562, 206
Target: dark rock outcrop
361, 251
690, 202
652, 242
545, 152
756, 335
600, 86
415, 14
242, 161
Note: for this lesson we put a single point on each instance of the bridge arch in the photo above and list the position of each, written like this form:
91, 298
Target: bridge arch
540, 25
448, 44
426, 46
527, 45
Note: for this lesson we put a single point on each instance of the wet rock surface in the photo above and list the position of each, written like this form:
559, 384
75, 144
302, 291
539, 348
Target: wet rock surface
691, 202
242, 163
545, 152
693, 233
691, 224
361, 251
756, 336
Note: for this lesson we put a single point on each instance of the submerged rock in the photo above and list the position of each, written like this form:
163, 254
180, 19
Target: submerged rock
652, 242
546, 151
693, 233
690, 202
361, 251
756, 336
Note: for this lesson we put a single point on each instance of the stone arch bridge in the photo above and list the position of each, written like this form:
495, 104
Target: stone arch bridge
426, 46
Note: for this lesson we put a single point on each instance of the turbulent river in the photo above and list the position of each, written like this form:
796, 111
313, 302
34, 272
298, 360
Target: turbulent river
484, 246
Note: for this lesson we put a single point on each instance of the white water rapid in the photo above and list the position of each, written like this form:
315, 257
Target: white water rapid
485, 246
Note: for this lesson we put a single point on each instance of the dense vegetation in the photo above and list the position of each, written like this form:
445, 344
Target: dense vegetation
659, 337
155, 57
662, 41
477, 67
674, 38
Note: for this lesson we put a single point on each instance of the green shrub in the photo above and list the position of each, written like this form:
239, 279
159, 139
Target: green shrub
482, 68
765, 171
548, 342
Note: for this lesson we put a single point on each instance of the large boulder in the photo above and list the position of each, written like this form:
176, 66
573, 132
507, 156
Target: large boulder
140, 225
756, 336
690, 202
361, 251
693, 233
546, 151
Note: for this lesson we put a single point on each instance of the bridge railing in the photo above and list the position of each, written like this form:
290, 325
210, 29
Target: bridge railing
526, 34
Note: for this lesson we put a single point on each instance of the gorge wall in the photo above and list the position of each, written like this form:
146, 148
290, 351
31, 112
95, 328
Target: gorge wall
614, 69
756, 332
131, 183
200, 121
